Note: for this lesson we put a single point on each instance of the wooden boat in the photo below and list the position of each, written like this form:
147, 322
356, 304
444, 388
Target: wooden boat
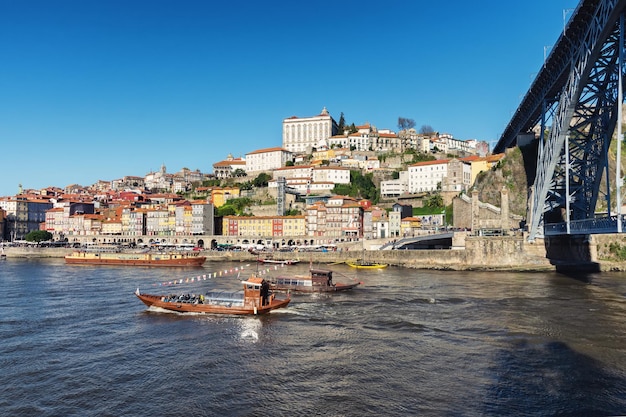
279, 261
136, 259
256, 298
318, 280
362, 263
365, 265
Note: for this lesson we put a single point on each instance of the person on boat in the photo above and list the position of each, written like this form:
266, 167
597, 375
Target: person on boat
265, 292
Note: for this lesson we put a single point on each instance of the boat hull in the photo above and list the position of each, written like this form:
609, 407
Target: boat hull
318, 280
366, 266
279, 262
247, 309
310, 289
135, 259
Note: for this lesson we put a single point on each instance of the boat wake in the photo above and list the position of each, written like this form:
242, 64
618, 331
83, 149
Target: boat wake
250, 335
160, 310
250, 329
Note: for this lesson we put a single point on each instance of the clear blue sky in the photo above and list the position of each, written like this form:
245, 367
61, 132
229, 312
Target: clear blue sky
98, 89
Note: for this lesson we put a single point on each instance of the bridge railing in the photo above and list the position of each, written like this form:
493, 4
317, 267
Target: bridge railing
585, 227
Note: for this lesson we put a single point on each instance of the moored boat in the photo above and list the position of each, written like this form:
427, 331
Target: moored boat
136, 259
256, 298
279, 261
318, 280
365, 265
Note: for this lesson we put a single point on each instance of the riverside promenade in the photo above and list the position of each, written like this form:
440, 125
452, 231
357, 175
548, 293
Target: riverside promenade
494, 253
486, 254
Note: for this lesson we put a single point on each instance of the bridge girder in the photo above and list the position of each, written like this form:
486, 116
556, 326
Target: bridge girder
576, 94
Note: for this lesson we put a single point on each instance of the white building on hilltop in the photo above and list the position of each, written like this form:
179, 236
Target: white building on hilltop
301, 134
427, 176
267, 159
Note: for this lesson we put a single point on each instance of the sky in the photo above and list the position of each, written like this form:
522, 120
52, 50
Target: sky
98, 89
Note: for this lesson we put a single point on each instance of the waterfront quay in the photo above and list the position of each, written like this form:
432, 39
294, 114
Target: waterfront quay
479, 253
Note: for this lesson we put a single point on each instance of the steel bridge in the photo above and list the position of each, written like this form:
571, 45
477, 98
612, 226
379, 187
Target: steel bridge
570, 114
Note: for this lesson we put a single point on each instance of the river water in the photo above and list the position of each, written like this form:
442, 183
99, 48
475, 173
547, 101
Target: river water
75, 341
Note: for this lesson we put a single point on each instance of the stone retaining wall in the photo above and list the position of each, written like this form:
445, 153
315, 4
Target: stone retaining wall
480, 253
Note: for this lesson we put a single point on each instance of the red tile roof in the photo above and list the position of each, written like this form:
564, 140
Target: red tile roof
435, 162
266, 150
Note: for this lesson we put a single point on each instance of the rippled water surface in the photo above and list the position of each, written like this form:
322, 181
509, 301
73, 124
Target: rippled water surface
75, 341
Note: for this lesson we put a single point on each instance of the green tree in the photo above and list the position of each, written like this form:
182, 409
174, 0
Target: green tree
240, 204
342, 124
262, 180
342, 189
435, 201
239, 173
225, 211
289, 163
234, 207
211, 183
38, 236
361, 186
246, 186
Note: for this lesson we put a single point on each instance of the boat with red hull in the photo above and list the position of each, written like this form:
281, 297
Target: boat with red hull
136, 259
256, 298
318, 280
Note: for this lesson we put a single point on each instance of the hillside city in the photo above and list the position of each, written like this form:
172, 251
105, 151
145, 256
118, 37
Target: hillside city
327, 183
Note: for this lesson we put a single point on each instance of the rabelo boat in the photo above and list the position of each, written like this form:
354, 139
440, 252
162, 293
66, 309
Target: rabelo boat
256, 298
318, 280
136, 259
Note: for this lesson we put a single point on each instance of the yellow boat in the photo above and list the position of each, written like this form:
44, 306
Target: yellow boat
366, 265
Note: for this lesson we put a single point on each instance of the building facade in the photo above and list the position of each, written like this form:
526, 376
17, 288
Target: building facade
340, 218
224, 169
23, 215
203, 218
267, 159
264, 226
302, 134
427, 176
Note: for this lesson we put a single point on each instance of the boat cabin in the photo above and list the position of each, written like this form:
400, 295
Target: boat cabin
317, 278
322, 277
256, 292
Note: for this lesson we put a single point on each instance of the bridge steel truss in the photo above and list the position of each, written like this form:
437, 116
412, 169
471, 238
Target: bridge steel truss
578, 89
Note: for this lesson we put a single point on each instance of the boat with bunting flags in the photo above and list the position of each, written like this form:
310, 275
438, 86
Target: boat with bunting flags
136, 259
318, 280
256, 298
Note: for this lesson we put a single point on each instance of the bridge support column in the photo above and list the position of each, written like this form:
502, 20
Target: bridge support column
573, 253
